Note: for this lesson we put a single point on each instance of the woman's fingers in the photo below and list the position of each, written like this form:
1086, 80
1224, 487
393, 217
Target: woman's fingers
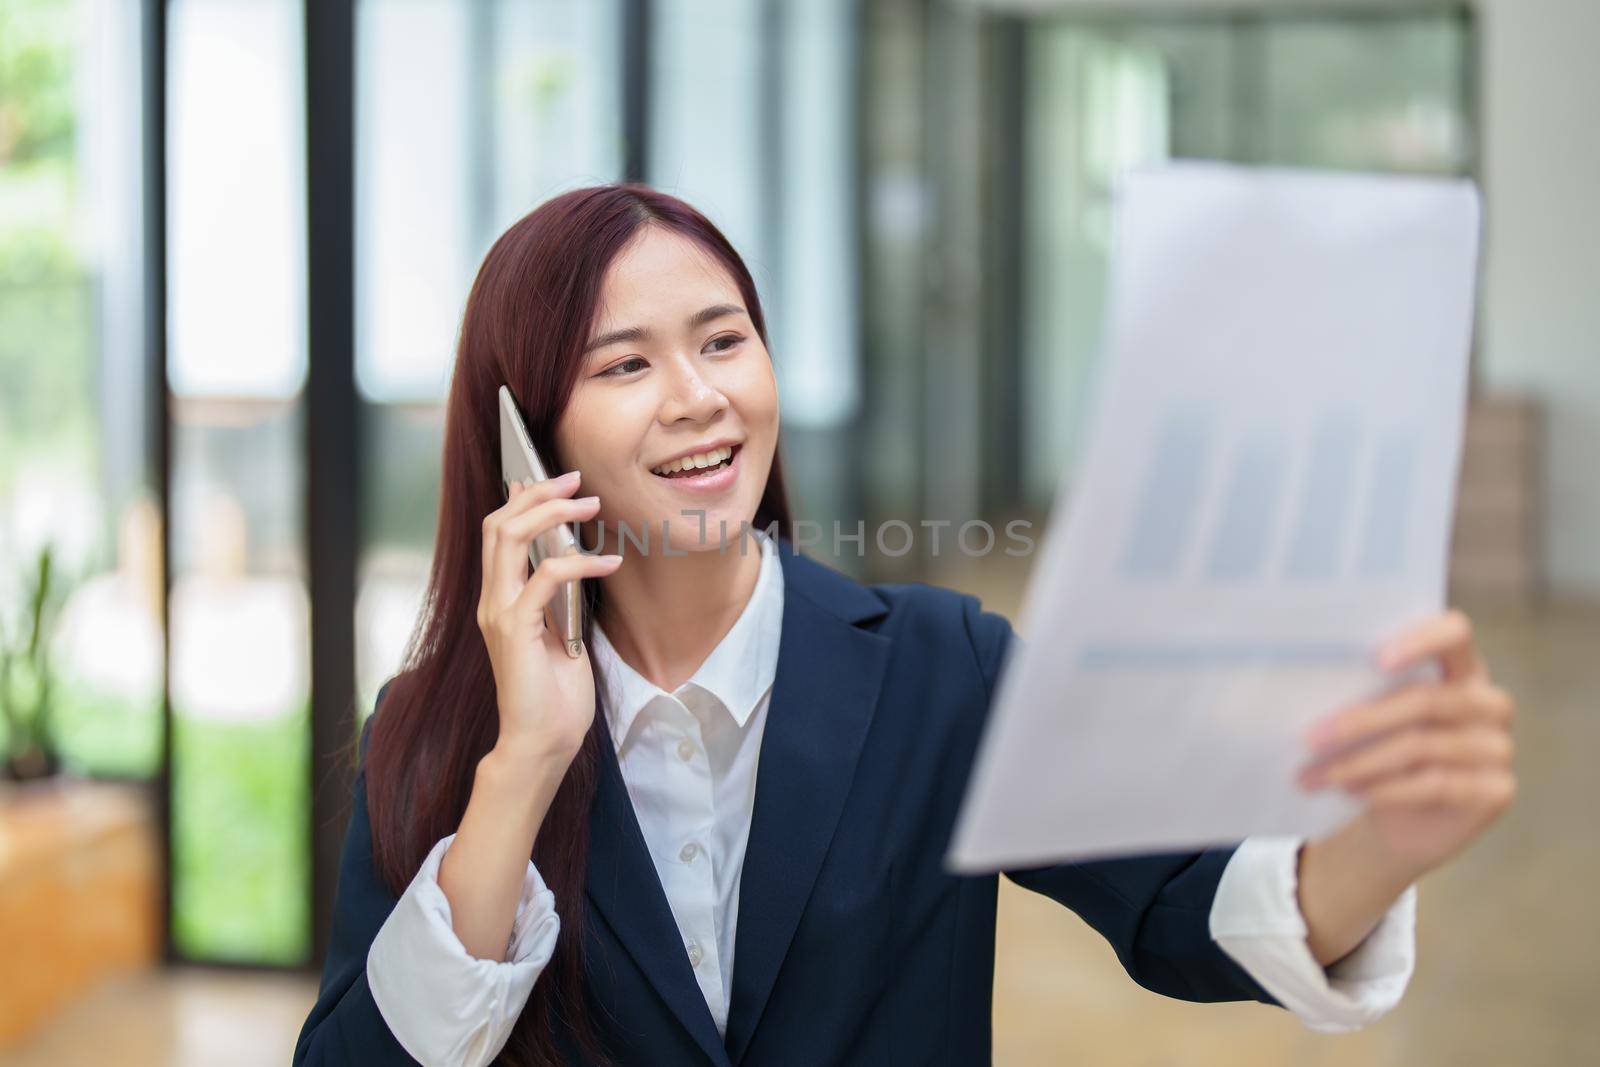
527, 610
1411, 748
1414, 704
1489, 789
513, 536
524, 495
527, 525
1447, 635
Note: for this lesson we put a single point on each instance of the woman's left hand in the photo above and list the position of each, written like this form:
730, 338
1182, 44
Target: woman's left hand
1431, 761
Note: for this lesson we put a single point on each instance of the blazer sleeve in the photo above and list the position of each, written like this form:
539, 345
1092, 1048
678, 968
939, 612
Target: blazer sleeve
345, 1026
1155, 908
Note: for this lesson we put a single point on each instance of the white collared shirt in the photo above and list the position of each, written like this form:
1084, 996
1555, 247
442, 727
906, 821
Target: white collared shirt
689, 760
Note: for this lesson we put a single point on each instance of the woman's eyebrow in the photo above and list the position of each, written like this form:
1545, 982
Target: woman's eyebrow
640, 333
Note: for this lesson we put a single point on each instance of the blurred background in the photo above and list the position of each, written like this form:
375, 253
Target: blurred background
235, 241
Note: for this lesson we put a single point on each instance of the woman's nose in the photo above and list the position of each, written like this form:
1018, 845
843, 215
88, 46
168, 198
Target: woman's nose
691, 397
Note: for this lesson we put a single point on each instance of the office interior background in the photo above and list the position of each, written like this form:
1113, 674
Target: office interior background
235, 241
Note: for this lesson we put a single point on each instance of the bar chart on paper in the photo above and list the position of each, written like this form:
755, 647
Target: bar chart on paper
1346, 522
1265, 494
1220, 511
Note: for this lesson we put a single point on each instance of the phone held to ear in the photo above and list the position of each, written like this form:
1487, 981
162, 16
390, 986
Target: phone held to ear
519, 463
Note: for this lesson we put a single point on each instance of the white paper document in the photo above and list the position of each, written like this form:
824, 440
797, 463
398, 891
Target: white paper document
1265, 494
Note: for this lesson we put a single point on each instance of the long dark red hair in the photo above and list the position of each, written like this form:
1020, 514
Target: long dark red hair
530, 311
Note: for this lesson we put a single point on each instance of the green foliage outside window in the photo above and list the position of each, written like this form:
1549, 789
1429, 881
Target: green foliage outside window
240, 867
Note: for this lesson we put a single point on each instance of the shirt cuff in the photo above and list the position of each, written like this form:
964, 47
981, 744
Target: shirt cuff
1256, 920
442, 1004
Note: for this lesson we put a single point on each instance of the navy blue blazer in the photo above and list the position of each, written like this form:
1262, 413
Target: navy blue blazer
853, 946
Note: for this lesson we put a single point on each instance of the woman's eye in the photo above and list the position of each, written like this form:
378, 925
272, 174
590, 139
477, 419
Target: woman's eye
628, 365
731, 338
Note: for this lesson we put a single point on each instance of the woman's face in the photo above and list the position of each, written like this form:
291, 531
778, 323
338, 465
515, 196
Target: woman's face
674, 370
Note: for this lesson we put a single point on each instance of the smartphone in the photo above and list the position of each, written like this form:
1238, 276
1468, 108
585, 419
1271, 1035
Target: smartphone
520, 463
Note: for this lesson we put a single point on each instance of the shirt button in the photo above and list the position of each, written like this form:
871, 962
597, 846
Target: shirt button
689, 852
686, 750
695, 955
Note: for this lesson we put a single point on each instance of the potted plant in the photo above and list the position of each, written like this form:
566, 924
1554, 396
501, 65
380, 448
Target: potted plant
25, 678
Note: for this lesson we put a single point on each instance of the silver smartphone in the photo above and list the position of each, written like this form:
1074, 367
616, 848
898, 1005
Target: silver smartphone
520, 463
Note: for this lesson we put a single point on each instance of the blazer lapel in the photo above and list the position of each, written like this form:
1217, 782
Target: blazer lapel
625, 888
827, 682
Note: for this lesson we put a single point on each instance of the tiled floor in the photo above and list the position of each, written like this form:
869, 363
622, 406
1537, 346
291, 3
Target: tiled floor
183, 1017
1509, 937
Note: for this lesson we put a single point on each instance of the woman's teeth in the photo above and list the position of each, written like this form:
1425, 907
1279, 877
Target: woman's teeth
689, 466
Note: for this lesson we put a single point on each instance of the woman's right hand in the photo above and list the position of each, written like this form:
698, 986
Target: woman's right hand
546, 697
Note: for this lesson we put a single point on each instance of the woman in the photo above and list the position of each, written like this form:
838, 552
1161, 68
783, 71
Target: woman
631, 334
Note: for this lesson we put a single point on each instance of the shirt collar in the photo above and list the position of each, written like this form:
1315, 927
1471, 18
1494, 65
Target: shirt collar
738, 672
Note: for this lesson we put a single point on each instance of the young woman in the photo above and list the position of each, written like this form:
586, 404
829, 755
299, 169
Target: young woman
717, 836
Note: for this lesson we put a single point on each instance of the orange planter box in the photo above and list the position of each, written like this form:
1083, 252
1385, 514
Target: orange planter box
79, 895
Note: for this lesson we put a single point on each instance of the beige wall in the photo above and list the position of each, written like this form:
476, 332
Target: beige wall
1540, 327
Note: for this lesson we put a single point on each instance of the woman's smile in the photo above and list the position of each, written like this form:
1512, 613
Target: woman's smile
709, 471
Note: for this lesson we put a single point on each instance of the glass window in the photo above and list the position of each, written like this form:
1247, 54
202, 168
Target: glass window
708, 131
73, 433
469, 114
897, 224
1379, 92
751, 120
1368, 94
236, 363
815, 319
1097, 106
